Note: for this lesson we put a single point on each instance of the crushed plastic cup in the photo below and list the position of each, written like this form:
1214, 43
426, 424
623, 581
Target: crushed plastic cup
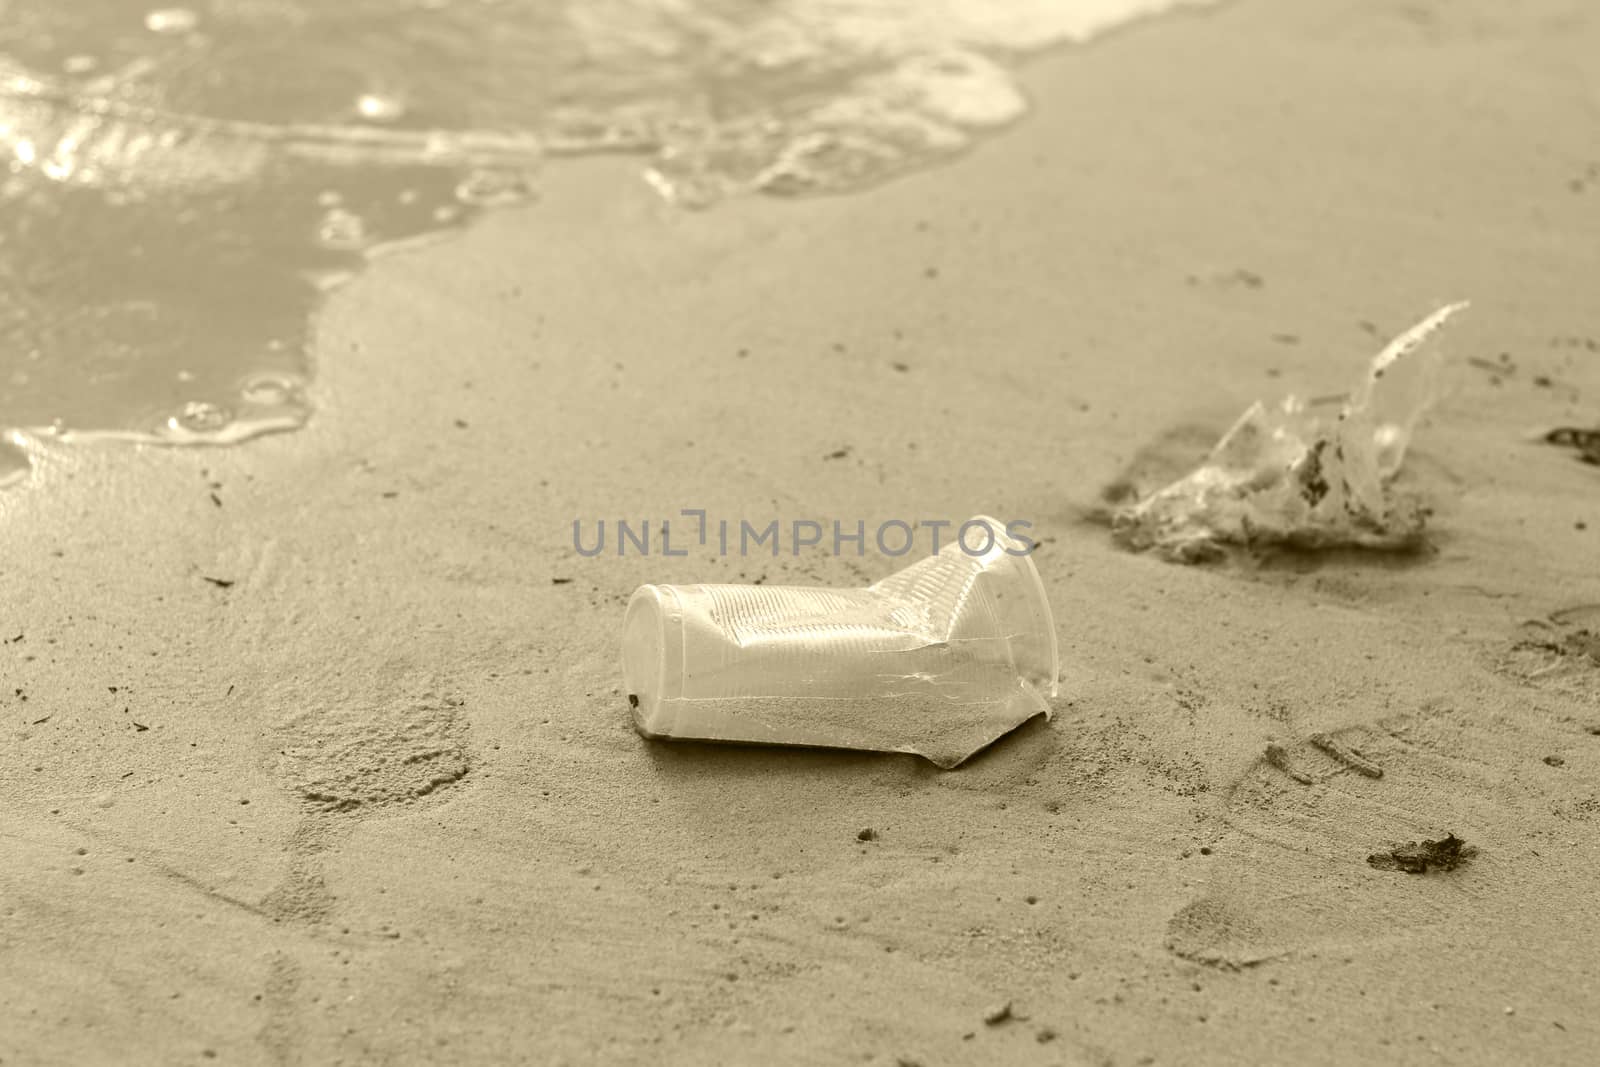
939, 659
1287, 475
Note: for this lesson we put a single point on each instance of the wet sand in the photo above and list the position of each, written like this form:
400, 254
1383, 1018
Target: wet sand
309, 759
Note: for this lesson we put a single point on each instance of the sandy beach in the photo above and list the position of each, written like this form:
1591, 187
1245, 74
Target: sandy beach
315, 749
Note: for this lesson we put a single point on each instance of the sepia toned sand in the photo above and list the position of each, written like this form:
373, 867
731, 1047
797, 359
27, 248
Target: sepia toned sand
378, 799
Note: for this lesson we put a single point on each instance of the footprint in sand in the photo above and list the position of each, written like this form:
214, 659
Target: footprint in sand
1560, 653
355, 760
1220, 933
1293, 875
347, 761
361, 759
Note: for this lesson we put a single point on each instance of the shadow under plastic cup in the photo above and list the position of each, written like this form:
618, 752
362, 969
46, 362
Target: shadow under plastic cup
939, 659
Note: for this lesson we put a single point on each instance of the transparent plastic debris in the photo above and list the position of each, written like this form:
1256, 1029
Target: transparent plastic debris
15, 464
939, 659
1291, 476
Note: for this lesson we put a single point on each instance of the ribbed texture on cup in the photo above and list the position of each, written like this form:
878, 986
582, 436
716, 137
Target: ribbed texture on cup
939, 659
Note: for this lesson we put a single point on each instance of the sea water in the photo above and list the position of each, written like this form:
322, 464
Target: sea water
180, 186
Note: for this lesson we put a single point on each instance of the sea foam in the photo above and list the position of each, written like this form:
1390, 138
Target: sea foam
180, 187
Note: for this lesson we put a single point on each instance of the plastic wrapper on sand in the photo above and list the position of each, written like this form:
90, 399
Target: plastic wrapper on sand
1293, 477
939, 659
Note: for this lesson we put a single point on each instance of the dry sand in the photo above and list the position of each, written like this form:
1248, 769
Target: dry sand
378, 801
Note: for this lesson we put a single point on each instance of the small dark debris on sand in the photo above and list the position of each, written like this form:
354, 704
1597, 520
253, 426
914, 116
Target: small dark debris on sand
1278, 756
220, 583
867, 834
1420, 857
1347, 756
1505, 368
1586, 442
560, 581
997, 1014
1554, 761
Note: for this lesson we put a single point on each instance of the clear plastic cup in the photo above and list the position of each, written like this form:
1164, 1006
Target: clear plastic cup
939, 659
